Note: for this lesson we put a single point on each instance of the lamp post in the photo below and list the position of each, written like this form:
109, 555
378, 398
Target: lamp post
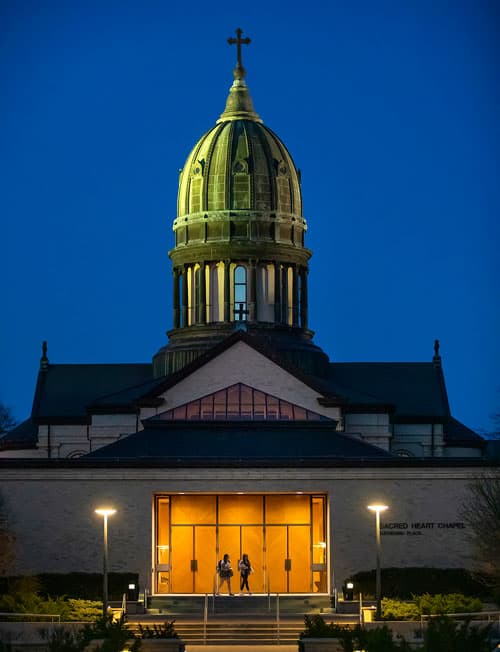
105, 512
378, 583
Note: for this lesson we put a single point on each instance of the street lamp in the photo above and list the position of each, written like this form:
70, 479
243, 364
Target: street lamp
378, 583
105, 512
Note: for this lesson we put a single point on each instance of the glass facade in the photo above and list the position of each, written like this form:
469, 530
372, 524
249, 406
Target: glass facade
284, 536
240, 402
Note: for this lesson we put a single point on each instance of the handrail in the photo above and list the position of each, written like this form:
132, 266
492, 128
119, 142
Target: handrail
205, 619
495, 614
124, 604
9, 614
278, 617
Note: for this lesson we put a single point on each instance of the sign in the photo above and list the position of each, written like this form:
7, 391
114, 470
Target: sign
417, 528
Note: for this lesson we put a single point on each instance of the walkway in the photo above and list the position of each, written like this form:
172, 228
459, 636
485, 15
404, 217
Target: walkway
241, 648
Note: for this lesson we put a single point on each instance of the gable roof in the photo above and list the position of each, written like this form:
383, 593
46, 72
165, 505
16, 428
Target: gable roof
457, 434
415, 389
216, 443
22, 436
64, 391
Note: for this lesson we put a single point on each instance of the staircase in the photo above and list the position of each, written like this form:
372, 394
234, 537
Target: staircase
258, 605
231, 621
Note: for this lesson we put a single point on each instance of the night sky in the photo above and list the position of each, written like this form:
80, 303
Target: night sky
390, 110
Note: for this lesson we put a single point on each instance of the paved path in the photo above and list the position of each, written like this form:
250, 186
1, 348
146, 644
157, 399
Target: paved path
241, 648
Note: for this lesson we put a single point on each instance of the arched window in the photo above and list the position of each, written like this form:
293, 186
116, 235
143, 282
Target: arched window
240, 293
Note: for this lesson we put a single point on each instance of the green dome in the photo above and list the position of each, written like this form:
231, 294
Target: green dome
240, 165
239, 259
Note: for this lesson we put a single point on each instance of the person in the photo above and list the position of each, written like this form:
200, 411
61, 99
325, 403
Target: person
225, 572
245, 568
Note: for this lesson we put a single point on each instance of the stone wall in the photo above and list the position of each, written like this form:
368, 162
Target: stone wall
51, 512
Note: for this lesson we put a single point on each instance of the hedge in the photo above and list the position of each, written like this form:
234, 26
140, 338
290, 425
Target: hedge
87, 586
402, 583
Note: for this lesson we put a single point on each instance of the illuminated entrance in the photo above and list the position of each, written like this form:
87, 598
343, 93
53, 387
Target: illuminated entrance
284, 536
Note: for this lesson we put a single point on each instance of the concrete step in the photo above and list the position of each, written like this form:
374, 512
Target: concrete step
245, 604
229, 632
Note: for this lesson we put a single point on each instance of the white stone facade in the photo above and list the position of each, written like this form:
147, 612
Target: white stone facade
51, 513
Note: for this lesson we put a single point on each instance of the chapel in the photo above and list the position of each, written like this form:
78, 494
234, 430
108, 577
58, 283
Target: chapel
241, 434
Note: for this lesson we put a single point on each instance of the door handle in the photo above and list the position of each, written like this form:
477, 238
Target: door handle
288, 564
194, 565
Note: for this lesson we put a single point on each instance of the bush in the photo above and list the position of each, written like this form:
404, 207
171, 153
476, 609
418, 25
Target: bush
374, 640
61, 640
445, 635
403, 582
427, 604
84, 610
32, 603
87, 586
398, 610
23, 599
114, 633
452, 603
162, 630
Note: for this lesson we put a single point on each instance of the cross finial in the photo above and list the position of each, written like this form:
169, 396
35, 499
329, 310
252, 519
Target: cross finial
239, 71
437, 358
44, 361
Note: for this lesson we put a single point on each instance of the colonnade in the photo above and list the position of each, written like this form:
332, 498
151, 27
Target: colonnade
271, 292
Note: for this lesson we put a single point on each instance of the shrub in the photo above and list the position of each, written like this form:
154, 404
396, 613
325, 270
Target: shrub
114, 633
161, 630
32, 603
73, 585
446, 635
61, 640
398, 610
316, 627
451, 603
403, 582
83, 610
374, 640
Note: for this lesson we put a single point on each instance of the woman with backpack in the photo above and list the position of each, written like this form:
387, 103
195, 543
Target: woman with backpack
225, 572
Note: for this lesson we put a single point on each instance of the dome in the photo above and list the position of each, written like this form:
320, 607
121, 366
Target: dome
241, 171
239, 261
239, 165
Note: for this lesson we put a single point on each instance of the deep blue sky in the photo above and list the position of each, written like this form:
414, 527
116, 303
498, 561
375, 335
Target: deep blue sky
390, 109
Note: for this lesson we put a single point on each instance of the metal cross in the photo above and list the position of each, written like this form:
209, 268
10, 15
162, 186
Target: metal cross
240, 312
239, 41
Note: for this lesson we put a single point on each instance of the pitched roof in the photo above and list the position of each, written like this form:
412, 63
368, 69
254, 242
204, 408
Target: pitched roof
228, 441
23, 435
457, 434
65, 390
415, 389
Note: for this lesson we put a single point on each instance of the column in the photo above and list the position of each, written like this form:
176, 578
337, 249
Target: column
277, 293
227, 283
184, 308
295, 295
202, 315
303, 298
176, 298
252, 290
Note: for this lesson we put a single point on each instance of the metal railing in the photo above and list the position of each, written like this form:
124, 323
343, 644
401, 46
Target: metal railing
489, 616
6, 616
